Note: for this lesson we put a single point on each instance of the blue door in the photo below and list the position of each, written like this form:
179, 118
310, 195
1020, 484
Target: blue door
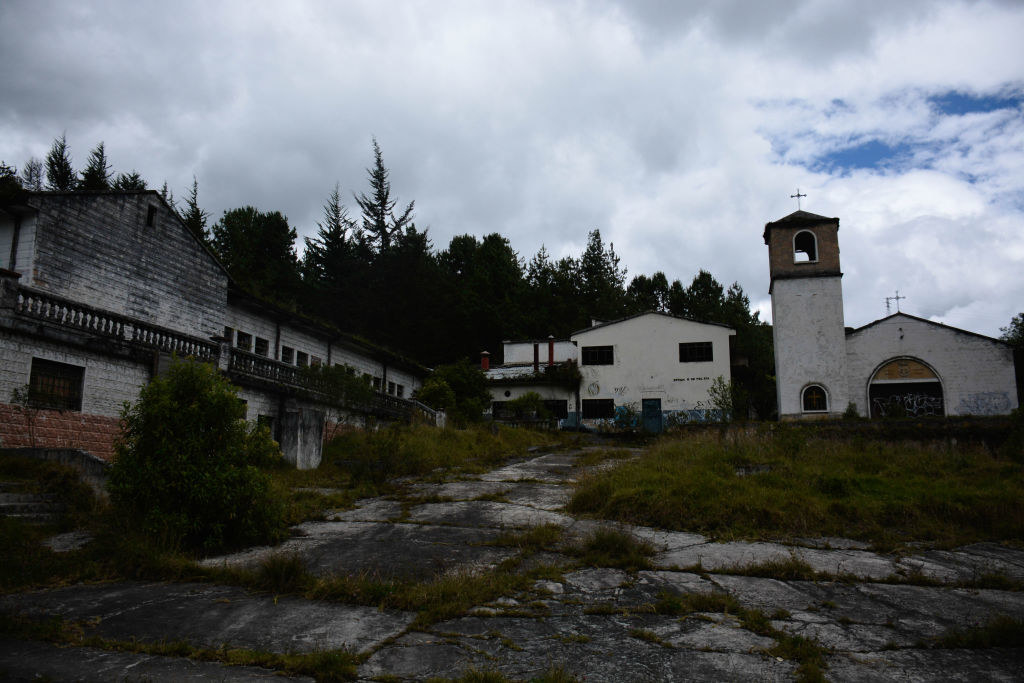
651, 410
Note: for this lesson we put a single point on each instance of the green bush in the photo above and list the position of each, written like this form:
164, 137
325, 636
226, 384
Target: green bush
186, 467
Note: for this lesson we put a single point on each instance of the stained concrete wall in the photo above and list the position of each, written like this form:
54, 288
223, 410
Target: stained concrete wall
646, 361
810, 342
977, 373
98, 249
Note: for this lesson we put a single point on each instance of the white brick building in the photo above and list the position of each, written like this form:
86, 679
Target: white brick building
657, 364
899, 365
97, 290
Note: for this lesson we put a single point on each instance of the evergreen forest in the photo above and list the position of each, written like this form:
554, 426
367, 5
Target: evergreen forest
370, 271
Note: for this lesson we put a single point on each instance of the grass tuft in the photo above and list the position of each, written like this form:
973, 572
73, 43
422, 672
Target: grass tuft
607, 547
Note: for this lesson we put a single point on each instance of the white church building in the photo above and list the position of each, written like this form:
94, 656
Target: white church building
900, 365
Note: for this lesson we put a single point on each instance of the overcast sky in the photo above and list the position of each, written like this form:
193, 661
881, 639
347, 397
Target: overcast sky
677, 129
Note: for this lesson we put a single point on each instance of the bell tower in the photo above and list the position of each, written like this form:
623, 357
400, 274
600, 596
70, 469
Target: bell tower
807, 315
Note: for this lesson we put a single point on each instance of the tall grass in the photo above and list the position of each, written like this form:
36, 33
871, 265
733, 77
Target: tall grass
784, 485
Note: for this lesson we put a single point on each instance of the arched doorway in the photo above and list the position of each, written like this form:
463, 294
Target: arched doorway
905, 387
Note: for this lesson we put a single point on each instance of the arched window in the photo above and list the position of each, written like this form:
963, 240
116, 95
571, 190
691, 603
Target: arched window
815, 400
805, 247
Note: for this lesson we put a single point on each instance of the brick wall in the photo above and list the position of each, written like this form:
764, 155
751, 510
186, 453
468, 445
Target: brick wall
52, 429
99, 249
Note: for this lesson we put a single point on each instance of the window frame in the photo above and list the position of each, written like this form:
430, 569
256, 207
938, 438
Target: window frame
804, 399
597, 355
693, 352
43, 372
597, 408
243, 341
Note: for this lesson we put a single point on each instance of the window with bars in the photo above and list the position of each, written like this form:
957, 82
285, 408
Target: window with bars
57, 386
597, 355
287, 355
244, 341
262, 347
696, 352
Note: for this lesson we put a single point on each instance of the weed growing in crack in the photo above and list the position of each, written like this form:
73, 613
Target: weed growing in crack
607, 547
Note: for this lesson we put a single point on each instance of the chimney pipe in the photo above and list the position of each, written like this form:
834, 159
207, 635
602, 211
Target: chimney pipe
485, 360
551, 349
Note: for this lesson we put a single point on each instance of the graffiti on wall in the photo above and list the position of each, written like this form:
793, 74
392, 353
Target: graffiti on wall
985, 403
907, 405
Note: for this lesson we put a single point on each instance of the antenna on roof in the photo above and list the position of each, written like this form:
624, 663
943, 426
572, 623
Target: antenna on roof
890, 299
797, 196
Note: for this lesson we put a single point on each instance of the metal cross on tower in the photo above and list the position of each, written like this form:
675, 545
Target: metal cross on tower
797, 196
890, 299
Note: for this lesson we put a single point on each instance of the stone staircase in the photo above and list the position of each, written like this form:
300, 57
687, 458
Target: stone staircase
37, 508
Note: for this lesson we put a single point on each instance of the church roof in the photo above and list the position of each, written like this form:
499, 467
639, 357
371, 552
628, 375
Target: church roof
901, 314
798, 219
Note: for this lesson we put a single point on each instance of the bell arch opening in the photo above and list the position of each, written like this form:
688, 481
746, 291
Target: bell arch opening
805, 247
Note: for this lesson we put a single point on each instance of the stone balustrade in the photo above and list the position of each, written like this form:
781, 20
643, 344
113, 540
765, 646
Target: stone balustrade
35, 305
64, 313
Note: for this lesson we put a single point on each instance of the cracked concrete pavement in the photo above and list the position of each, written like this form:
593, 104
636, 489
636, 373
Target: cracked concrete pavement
594, 623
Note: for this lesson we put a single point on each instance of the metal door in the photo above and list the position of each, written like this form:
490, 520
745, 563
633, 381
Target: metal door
651, 411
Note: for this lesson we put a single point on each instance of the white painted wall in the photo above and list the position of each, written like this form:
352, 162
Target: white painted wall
646, 355
522, 351
977, 373
810, 341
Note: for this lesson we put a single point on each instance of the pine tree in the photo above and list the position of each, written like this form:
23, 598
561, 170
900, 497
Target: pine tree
96, 176
126, 182
60, 175
259, 251
195, 218
381, 225
32, 175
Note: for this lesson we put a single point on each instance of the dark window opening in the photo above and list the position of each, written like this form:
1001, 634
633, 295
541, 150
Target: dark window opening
244, 341
598, 408
391, 388
151, 216
376, 383
302, 359
287, 355
696, 352
315, 361
400, 391
262, 347
229, 334
815, 400
558, 409
805, 247
56, 386
597, 355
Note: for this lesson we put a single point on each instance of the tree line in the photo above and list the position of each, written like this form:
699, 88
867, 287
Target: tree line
377, 275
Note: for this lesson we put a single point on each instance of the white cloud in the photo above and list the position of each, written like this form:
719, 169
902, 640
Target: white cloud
676, 128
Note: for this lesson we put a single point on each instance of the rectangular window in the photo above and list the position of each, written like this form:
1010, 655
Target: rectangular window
498, 410
559, 409
229, 334
391, 388
244, 341
598, 408
151, 216
376, 383
696, 352
262, 347
57, 386
597, 355
315, 362
400, 391
287, 355
302, 359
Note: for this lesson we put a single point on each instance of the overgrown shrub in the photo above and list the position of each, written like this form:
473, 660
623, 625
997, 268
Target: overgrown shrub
528, 405
186, 467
